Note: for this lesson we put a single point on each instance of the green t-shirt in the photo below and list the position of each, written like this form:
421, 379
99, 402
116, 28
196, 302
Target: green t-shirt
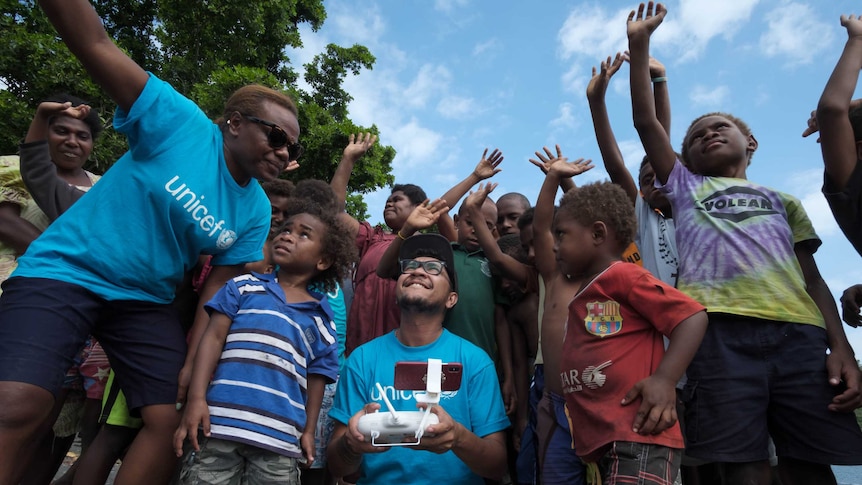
472, 318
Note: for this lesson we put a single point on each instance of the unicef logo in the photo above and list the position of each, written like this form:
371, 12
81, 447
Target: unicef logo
486, 268
226, 239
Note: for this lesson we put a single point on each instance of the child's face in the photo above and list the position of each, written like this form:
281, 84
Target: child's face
466, 231
717, 147
508, 212
299, 246
398, 207
654, 198
573, 245
279, 212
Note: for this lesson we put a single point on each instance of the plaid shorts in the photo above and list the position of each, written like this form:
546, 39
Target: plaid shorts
628, 462
223, 462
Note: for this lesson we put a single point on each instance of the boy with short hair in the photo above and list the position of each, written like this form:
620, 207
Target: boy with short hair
257, 383
613, 352
747, 253
509, 209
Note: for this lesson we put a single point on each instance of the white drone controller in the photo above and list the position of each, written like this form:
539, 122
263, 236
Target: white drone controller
404, 428
395, 429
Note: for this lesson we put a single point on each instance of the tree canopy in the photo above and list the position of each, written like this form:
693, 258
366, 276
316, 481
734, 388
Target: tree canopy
206, 50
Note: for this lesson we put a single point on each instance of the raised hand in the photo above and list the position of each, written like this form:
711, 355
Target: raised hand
477, 198
547, 159
645, 20
49, 109
424, 216
598, 84
488, 167
812, 126
853, 24
358, 145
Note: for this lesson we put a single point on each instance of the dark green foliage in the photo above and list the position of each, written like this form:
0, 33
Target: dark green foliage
206, 50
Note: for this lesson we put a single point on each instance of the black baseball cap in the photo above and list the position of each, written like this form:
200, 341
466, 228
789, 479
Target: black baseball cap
431, 246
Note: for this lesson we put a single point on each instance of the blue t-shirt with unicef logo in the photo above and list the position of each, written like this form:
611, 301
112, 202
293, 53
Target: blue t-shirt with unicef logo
477, 405
169, 199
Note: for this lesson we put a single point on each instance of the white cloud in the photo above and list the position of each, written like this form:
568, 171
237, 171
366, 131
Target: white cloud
592, 31
483, 48
688, 28
430, 81
699, 21
358, 26
416, 145
813, 201
449, 5
575, 81
633, 152
566, 117
458, 107
709, 97
795, 34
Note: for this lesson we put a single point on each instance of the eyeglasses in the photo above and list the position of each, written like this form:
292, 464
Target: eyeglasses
433, 268
277, 137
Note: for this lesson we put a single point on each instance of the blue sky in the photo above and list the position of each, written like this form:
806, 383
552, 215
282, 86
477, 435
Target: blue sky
453, 77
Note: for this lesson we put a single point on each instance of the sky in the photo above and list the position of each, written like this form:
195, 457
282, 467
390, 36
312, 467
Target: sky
453, 77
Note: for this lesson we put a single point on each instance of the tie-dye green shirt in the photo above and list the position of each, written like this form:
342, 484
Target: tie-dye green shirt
736, 245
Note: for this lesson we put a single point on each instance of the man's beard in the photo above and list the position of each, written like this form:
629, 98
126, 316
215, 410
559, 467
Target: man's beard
418, 305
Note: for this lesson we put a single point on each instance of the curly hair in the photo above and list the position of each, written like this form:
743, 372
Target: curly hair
511, 244
318, 192
279, 187
686, 141
605, 202
338, 244
526, 218
413, 192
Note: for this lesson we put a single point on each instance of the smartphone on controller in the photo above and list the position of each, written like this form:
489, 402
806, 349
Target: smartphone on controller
412, 376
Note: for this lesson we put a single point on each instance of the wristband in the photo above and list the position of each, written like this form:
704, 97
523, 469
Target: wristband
400, 236
661, 79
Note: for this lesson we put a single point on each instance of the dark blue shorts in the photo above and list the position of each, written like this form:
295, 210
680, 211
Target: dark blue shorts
558, 462
754, 378
526, 461
43, 323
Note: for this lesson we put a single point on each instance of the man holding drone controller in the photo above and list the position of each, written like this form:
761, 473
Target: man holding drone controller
468, 442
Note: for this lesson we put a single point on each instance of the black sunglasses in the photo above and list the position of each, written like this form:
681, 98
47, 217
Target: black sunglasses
277, 137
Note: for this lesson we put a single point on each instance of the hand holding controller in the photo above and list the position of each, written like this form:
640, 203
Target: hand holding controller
394, 428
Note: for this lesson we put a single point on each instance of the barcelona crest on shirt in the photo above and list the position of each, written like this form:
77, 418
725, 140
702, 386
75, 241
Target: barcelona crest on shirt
603, 318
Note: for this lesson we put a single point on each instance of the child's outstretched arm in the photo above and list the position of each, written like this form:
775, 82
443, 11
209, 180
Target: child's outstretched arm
543, 217
423, 216
840, 151
487, 167
611, 155
196, 412
841, 362
653, 136
356, 147
510, 267
657, 411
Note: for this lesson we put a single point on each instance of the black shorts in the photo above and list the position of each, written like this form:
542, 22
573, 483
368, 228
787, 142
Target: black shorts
754, 378
44, 322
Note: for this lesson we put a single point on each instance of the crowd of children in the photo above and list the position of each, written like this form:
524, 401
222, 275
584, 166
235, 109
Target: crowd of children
610, 372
